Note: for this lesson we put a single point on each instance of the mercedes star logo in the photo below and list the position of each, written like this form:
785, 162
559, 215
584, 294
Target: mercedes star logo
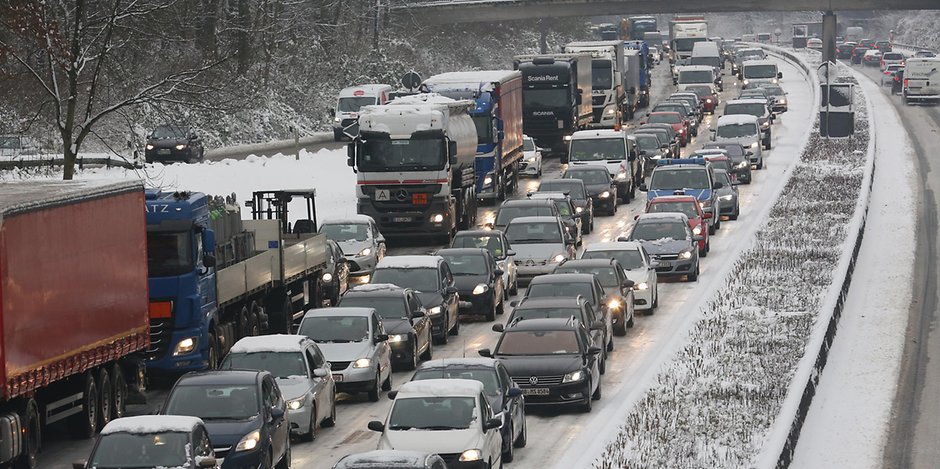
401, 195
533, 380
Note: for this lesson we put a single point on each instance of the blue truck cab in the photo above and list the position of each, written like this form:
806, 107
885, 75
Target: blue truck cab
180, 247
645, 72
691, 176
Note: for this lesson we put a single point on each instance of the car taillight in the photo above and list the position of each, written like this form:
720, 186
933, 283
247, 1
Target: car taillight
905, 82
882, 64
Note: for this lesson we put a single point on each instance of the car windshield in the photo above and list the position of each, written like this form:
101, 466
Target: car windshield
508, 214
353, 104
696, 76
575, 190
659, 230
686, 44
662, 134
606, 275
420, 279
471, 264
564, 207
340, 232
491, 243
647, 142
555, 289
432, 413
533, 233
131, 450
168, 132
893, 56
601, 75
686, 208
169, 254
279, 364
736, 130
750, 54
528, 144
487, 376
628, 258
545, 99
541, 313
700, 91
760, 71
723, 177
387, 307
223, 402
538, 343
590, 177
774, 90
665, 179
753, 109
721, 164
670, 118
597, 149
671, 107
731, 150
415, 154
335, 329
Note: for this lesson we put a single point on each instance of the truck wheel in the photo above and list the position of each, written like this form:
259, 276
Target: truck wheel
281, 320
32, 436
84, 424
258, 321
500, 186
118, 392
213, 351
105, 397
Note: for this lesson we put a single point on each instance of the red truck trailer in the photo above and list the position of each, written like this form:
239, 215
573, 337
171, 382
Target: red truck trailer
73, 308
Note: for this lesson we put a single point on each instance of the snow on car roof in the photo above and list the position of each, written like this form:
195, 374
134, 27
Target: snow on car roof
440, 388
340, 311
548, 195
384, 459
695, 68
376, 287
673, 198
737, 119
24, 196
424, 98
151, 424
446, 362
371, 88
269, 343
409, 262
600, 133
746, 101
535, 219
351, 219
662, 216
759, 62
614, 246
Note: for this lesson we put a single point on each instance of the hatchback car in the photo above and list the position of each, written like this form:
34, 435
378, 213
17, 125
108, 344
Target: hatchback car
497, 244
504, 397
151, 442
778, 97
244, 413
872, 58
587, 286
675, 120
431, 279
360, 239
892, 58
668, 239
618, 289
740, 159
743, 130
355, 344
553, 361
512, 209
844, 50
301, 372
858, 53
708, 96
690, 207
335, 279
450, 417
887, 75
531, 164
540, 243
601, 188
814, 43
174, 143
391, 460
583, 204
566, 212
638, 266
730, 205
405, 320
666, 134
478, 280
757, 108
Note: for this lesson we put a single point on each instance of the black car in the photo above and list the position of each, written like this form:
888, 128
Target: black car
174, 143
479, 282
432, 281
335, 279
517, 208
558, 308
244, 412
600, 186
858, 53
405, 319
496, 243
844, 51
617, 287
554, 361
566, 212
502, 394
151, 442
668, 240
579, 197
740, 159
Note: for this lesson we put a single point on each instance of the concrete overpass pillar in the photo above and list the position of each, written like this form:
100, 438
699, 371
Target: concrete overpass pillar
829, 37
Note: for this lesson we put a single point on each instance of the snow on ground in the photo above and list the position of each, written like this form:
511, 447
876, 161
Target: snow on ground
325, 170
848, 421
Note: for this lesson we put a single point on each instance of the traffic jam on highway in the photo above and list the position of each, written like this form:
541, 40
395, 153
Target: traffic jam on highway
513, 228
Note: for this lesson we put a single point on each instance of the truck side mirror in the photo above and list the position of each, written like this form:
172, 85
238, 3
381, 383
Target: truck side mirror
332, 112
208, 241
351, 154
208, 260
452, 151
779, 75
577, 98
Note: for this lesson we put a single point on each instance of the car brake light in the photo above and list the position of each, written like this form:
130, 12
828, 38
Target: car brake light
905, 82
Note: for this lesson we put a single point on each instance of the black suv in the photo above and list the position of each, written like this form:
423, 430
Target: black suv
405, 319
579, 197
479, 282
617, 287
554, 361
600, 186
174, 143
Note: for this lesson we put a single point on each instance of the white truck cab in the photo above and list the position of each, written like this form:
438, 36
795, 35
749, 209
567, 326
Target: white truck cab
351, 100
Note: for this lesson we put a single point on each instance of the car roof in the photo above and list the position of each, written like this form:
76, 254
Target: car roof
376, 290
562, 278
149, 424
476, 362
554, 182
746, 101
588, 167
340, 311
696, 68
525, 203
615, 246
587, 263
674, 198
348, 220
487, 233
440, 388
663, 216
220, 377
735, 119
271, 343
409, 262
538, 219
545, 324
554, 301
385, 459
548, 195
599, 133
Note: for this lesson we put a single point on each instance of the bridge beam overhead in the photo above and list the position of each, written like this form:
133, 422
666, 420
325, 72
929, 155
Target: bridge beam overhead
488, 11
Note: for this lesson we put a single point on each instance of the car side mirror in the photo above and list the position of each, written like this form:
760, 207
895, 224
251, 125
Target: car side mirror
450, 290
698, 238
277, 413
510, 253
594, 350
485, 352
351, 154
498, 328
643, 187
707, 215
597, 325
332, 112
380, 338
779, 75
749, 153
492, 424
80, 464
498, 272
392, 395
654, 264
418, 313
719, 185
321, 372
513, 392
376, 426
628, 283
207, 461
208, 260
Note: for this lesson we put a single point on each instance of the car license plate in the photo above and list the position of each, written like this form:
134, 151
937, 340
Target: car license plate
163, 151
337, 377
665, 264
401, 219
535, 391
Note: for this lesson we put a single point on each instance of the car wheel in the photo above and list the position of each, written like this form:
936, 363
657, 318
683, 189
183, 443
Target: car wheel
597, 393
507, 448
331, 421
387, 384
589, 401
610, 344
736, 214
521, 440
515, 287
704, 251
630, 322
711, 229
284, 463
760, 164
718, 221
501, 307
694, 277
602, 366
456, 329
311, 434
655, 300
413, 363
374, 392
620, 329
428, 352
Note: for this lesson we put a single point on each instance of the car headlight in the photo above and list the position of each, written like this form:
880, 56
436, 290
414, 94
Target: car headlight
641, 286
437, 218
337, 120
783, 101
573, 376
150, 146
743, 164
765, 124
185, 346
567, 138
531, 159
557, 258
327, 277
471, 455
181, 146
726, 197
613, 303
708, 100
394, 338
611, 111
604, 195
746, 82
295, 404
697, 230
365, 252
362, 363
487, 181
754, 145
480, 289
578, 210
249, 441
774, 81
685, 254
434, 310
621, 176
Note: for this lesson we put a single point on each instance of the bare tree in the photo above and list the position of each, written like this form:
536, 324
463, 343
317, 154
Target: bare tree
84, 56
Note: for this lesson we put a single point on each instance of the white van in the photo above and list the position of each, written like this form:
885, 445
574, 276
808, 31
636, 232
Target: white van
754, 72
612, 149
346, 114
743, 129
695, 75
922, 79
707, 53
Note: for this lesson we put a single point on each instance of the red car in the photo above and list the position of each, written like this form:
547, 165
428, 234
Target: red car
721, 162
675, 120
690, 206
707, 95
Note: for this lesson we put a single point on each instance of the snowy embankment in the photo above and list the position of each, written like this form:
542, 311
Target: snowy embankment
735, 394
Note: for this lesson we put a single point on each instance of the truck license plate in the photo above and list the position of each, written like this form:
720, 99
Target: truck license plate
535, 391
401, 219
337, 377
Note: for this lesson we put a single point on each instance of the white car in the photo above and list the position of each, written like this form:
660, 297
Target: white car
892, 58
814, 43
540, 244
887, 75
449, 417
531, 164
300, 370
359, 238
743, 129
637, 264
